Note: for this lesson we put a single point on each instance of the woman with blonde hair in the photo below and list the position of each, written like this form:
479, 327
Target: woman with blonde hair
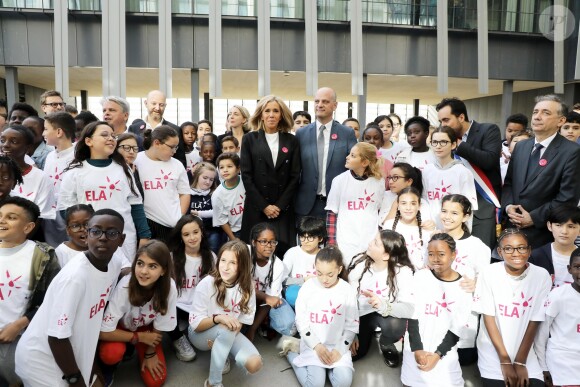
270, 165
237, 123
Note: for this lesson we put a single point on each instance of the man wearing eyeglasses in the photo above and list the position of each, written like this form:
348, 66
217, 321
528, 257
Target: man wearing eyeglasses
51, 101
155, 103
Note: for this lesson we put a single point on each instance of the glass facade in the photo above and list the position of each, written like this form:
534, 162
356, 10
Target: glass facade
504, 15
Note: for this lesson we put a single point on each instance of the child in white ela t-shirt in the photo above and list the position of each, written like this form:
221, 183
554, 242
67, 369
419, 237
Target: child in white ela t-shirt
58, 348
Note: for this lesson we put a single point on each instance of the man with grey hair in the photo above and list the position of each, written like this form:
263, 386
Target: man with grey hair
544, 172
116, 113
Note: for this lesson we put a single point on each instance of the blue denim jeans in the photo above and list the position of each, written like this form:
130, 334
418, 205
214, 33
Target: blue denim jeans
283, 319
313, 376
225, 342
215, 239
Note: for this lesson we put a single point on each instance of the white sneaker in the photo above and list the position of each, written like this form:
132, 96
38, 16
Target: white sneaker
227, 367
183, 349
206, 384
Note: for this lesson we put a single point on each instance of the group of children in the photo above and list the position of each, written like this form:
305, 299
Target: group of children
160, 262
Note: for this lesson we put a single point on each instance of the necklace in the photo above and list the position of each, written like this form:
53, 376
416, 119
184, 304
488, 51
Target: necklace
515, 282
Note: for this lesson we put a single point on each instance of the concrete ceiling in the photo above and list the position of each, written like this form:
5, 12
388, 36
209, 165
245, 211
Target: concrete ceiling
239, 84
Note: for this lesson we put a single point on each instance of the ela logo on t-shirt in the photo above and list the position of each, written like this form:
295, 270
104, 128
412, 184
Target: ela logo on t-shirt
9, 284
94, 196
517, 309
190, 283
444, 304
439, 192
235, 307
159, 182
378, 291
56, 176
361, 203
95, 309
322, 318
238, 208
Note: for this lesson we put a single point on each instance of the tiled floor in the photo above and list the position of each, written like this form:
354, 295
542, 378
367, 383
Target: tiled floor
370, 371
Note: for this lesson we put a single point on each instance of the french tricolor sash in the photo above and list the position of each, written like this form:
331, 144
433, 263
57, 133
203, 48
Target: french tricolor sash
482, 183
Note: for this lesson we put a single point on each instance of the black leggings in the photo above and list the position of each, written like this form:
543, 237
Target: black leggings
176, 333
159, 231
392, 329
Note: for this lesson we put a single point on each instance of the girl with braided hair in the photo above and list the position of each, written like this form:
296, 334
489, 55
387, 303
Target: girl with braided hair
383, 277
267, 273
473, 256
408, 222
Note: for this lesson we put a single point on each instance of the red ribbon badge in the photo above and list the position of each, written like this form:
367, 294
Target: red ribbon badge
285, 150
334, 136
543, 162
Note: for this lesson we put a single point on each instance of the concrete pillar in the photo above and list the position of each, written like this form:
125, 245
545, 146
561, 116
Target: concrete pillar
194, 95
264, 84
442, 49
84, 100
165, 49
482, 48
507, 101
311, 47
358, 80
215, 49
61, 76
12, 93
361, 109
113, 46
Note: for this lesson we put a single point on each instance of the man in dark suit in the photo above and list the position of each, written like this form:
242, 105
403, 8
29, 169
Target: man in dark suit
544, 172
155, 103
335, 141
480, 145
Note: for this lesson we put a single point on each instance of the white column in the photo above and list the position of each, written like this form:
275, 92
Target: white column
114, 43
356, 47
215, 49
61, 77
165, 49
442, 49
263, 47
560, 21
482, 48
311, 46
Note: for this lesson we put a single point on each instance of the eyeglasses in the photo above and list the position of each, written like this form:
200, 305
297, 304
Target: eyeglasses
394, 178
173, 148
107, 136
307, 238
129, 148
96, 233
442, 143
510, 250
264, 242
75, 227
54, 104
396, 125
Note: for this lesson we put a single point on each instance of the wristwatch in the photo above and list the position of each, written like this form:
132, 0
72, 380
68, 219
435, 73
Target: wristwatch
72, 378
439, 353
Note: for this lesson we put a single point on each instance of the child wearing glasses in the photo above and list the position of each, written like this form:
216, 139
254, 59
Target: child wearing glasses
510, 297
59, 345
164, 180
446, 175
99, 176
267, 274
299, 260
26, 270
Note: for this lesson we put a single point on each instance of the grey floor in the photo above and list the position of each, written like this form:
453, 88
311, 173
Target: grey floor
370, 371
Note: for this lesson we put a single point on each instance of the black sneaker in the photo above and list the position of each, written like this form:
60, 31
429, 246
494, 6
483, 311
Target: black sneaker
391, 356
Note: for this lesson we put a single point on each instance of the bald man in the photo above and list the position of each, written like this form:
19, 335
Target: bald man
155, 103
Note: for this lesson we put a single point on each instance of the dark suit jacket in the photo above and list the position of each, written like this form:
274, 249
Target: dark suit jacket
138, 127
483, 149
557, 182
267, 184
542, 256
338, 149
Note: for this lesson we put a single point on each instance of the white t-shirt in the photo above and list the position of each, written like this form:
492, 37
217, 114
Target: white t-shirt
205, 304
416, 244
440, 306
357, 204
392, 153
38, 188
514, 302
439, 182
73, 308
377, 283
563, 350
64, 254
417, 159
228, 205
330, 315
15, 265
102, 187
163, 182
298, 263
560, 262
191, 159
130, 317
55, 163
261, 274
193, 274
273, 140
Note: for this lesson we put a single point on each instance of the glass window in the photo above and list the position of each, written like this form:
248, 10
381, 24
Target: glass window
333, 9
146, 6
